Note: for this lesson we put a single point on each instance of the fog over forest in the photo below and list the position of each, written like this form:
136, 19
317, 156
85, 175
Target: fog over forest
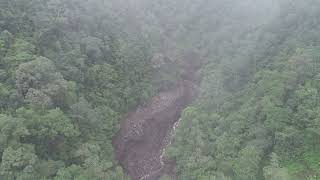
159, 90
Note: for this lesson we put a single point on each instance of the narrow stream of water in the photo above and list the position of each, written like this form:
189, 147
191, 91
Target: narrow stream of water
168, 142
140, 145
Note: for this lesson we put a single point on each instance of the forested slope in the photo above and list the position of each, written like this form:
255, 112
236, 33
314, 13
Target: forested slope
70, 69
259, 120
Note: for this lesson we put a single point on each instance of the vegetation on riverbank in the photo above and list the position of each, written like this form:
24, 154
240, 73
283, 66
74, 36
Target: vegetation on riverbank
70, 69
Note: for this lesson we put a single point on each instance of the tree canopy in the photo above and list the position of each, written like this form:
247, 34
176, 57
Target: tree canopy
70, 69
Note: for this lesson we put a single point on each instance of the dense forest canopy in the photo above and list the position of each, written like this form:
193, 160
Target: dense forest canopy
70, 69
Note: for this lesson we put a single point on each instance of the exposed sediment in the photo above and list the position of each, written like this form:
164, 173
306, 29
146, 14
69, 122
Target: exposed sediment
144, 134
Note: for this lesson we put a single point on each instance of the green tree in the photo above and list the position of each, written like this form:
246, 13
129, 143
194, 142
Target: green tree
247, 164
16, 161
273, 171
40, 84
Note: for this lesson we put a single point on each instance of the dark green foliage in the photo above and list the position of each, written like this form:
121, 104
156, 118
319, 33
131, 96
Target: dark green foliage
66, 77
70, 69
258, 111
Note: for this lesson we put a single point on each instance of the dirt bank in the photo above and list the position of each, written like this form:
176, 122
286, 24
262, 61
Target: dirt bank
144, 134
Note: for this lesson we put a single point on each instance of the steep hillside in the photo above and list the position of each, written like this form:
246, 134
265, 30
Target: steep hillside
260, 120
71, 70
